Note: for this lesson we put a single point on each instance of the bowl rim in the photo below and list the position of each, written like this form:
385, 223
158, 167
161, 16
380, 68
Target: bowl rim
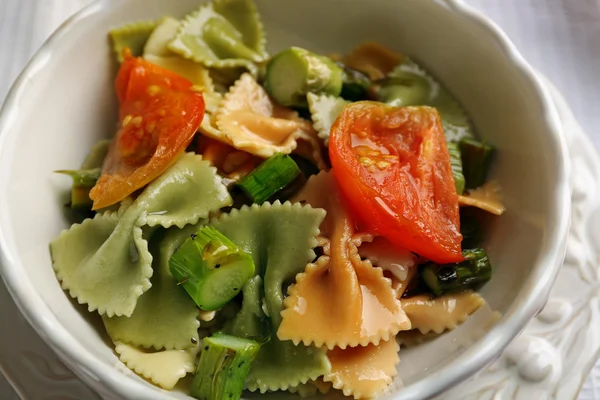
475, 358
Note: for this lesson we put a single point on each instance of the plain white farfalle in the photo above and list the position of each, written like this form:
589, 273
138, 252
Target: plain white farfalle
324, 110
363, 372
487, 197
441, 313
250, 121
164, 368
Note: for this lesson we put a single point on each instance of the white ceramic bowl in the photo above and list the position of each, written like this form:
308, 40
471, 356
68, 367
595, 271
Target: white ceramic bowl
63, 102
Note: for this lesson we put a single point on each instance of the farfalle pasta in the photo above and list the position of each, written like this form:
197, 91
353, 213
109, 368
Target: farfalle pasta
164, 317
324, 110
339, 300
363, 371
163, 368
249, 120
224, 33
105, 262
441, 313
274, 222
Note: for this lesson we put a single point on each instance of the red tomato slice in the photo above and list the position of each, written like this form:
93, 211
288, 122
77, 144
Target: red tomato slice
393, 167
159, 114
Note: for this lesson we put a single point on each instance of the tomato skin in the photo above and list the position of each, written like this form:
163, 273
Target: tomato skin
159, 115
393, 168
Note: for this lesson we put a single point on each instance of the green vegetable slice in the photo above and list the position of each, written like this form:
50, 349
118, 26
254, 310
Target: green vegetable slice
269, 177
211, 268
83, 181
457, 170
476, 159
355, 83
223, 367
473, 271
295, 72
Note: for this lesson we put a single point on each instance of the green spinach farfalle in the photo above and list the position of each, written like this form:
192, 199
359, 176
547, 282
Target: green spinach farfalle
223, 33
105, 263
165, 317
280, 238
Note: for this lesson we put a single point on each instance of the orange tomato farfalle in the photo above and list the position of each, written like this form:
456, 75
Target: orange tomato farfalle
159, 113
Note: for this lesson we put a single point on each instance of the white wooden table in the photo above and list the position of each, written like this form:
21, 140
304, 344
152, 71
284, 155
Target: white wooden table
561, 38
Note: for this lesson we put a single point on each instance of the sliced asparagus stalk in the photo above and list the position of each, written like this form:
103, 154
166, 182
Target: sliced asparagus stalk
223, 367
473, 271
295, 72
211, 268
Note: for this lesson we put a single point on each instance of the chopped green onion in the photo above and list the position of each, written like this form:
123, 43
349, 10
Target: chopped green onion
269, 177
355, 84
294, 72
211, 268
456, 163
83, 181
476, 160
473, 271
223, 367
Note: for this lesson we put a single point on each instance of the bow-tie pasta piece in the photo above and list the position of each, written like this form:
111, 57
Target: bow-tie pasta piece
280, 238
249, 120
131, 36
186, 192
165, 316
223, 34
157, 52
164, 368
324, 110
486, 197
339, 300
95, 260
104, 262
363, 372
441, 313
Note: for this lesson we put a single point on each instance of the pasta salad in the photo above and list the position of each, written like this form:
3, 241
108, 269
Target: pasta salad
270, 222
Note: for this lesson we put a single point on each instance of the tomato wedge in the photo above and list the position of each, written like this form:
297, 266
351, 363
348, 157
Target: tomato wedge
393, 168
159, 113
